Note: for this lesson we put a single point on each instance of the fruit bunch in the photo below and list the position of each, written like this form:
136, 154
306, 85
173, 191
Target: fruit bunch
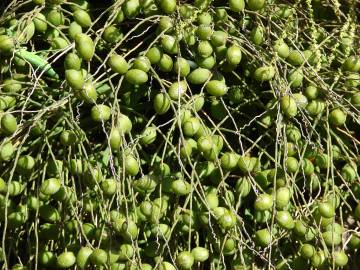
178, 134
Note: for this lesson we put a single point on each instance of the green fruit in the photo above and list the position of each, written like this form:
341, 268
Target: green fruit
296, 58
263, 237
295, 78
229, 160
170, 44
131, 165
47, 258
168, 6
74, 29
233, 55
282, 198
204, 49
307, 251
72, 62
131, 8
200, 254
219, 38
216, 88
237, 5
82, 18
255, 4
161, 103
74, 78
263, 202
292, 164
182, 67
85, 47
55, 17
136, 76
281, 48
148, 135
8, 124
326, 210
50, 186
154, 54
40, 23
185, 260
284, 220
82, 257
331, 238
66, 259
357, 212
204, 31
98, 257
88, 93
191, 126
100, 113
118, 64
265, 73
142, 63
340, 258
180, 187
6, 44
112, 34
257, 35
25, 164
166, 63
337, 117
67, 138
177, 90
109, 187
199, 76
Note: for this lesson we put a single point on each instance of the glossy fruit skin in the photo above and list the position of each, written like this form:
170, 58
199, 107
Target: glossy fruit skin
200, 254
216, 88
136, 76
177, 90
307, 251
340, 258
168, 6
66, 259
98, 257
233, 55
265, 73
337, 117
326, 210
237, 5
166, 63
82, 18
331, 238
255, 4
181, 67
281, 48
263, 202
74, 78
8, 124
82, 257
185, 260
282, 198
285, 220
118, 64
199, 76
148, 135
154, 54
100, 113
161, 103
50, 186
84, 46
263, 237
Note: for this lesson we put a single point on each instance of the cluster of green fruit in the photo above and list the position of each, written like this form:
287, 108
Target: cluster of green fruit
164, 134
